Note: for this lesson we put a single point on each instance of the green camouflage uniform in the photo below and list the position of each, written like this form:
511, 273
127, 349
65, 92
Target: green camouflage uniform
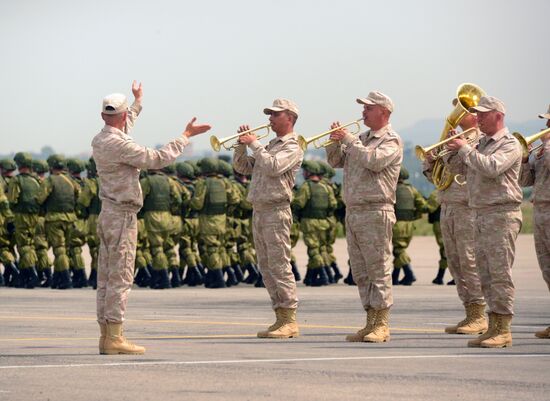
44, 263
434, 209
7, 258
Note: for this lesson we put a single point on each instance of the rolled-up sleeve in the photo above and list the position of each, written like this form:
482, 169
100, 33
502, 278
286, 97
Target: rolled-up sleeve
242, 163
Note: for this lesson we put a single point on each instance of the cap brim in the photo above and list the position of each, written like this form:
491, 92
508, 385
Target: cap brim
271, 110
114, 112
547, 116
479, 108
365, 101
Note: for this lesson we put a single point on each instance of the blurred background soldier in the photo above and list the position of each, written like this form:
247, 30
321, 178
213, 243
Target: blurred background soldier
22, 192
294, 237
314, 199
144, 259
190, 229
89, 201
434, 218
79, 230
44, 263
58, 196
409, 206
7, 168
327, 174
160, 196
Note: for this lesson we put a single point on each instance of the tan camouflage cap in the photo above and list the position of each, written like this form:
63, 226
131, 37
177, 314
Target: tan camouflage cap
488, 103
280, 105
114, 103
378, 98
547, 115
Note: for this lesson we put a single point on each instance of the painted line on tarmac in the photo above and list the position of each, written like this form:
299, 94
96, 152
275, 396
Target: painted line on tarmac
219, 323
281, 360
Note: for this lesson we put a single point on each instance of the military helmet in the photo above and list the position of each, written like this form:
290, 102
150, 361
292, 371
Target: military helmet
56, 161
23, 159
196, 168
75, 166
312, 167
185, 170
327, 169
8, 165
40, 166
225, 168
208, 165
170, 169
403, 174
225, 158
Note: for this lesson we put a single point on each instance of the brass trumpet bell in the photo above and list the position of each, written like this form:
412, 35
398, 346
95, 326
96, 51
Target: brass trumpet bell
525, 142
217, 144
303, 142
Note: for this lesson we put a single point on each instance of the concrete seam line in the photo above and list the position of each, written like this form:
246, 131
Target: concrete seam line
246, 361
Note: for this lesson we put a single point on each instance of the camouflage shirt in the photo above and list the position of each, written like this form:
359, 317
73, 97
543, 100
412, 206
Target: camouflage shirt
536, 172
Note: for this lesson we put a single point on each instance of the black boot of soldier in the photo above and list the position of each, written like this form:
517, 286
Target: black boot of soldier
330, 276
141, 278
79, 278
21, 279
2, 278
320, 277
253, 274
175, 280
64, 280
231, 278
337, 274
452, 282
47, 275
55, 280
309, 277
154, 278
260, 281
349, 279
189, 277
197, 275
295, 271
217, 280
92, 280
33, 280
395, 276
439, 278
163, 280
238, 272
409, 276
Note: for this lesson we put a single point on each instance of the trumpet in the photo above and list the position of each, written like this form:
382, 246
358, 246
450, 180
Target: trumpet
304, 142
439, 149
217, 144
525, 142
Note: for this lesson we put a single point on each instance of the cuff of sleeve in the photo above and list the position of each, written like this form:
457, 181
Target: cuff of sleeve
136, 106
348, 139
256, 145
463, 151
183, 140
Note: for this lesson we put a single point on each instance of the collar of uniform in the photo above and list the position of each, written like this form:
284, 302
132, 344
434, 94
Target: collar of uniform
284, 138
500, 134
113, 130
378, 134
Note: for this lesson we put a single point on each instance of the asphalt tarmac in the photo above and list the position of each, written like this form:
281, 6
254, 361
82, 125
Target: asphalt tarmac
201, 344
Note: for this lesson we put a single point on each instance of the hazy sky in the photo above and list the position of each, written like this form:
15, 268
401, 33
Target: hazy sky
224, 61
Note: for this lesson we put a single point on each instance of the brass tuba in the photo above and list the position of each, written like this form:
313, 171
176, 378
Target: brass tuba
217, 144
467, 95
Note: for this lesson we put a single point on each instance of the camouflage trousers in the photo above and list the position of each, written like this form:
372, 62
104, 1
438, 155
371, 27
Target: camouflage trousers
271, 230
25, 225
117, 232
331, 238
541, 219
315, 232
41, 246
495, 235
6, 255
188, 243
57, 233
402, 234
93, 240
457, 227
245, 247
369, 237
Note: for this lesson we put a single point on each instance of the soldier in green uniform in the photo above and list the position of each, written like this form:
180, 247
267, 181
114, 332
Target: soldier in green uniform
314, 200
160, 197
144, 260
327, 174
294, 237
211, 198
10, 277
41, 246
79, 230
187, 240
245, 242
434, 209
89, 201
409, 206
22, 192
58, 195
231, 260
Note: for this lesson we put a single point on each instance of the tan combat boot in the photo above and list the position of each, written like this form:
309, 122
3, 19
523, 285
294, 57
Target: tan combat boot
543, 333
503, 334
476, 342
475, 320
381, 331
360, 335
103, 330
288, 327
273, 327
116, 343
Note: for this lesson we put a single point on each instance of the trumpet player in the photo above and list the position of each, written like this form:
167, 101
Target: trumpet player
273, 169
457, 229
371, 165
495, 196
535, 171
